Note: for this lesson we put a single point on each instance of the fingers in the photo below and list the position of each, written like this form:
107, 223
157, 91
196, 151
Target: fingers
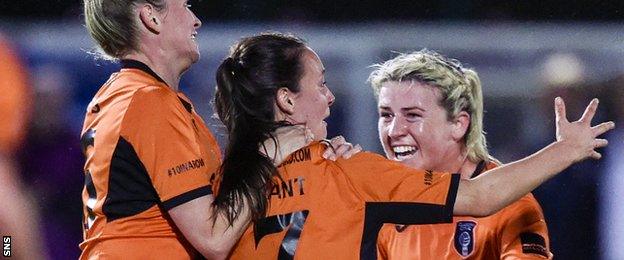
339, 147
590, 111
560, 110
595, 155
338, 140
342, 149
330, 152
599, 143
356, 149
602, 128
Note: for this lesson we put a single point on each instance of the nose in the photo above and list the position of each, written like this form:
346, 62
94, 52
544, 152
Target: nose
330, 97
396, 128
197, 23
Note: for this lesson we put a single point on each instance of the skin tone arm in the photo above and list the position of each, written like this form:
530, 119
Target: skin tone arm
194, 218
499, 187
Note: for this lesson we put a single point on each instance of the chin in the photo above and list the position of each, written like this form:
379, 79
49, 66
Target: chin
195, 57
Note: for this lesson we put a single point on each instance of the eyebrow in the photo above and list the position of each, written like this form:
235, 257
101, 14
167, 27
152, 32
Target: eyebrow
404, 109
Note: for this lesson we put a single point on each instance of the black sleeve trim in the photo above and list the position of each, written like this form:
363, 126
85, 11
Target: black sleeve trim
186, 197
452, 195
533, 243
404, 213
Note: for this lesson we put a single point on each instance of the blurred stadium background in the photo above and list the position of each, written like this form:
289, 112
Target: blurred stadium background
526, 52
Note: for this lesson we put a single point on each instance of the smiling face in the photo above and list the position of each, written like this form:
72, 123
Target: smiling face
179, 30
414, 128
311, 103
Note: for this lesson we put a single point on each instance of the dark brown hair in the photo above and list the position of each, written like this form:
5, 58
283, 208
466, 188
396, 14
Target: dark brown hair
247, 84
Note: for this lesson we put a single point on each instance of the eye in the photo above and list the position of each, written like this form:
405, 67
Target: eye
324, 83
386, 116
412, 116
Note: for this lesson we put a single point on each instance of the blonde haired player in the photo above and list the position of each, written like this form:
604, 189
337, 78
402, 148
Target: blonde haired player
431, 117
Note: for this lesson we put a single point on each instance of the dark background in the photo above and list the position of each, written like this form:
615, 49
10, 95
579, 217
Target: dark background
354, 11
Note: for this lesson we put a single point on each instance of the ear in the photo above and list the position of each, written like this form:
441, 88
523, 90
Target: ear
285, 101
460, 125
150, 18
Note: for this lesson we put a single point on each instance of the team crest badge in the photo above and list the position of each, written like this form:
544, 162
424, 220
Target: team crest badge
464, 237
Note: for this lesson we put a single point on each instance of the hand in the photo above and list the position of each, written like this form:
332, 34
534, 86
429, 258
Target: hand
339, 147
289, 139
580, 136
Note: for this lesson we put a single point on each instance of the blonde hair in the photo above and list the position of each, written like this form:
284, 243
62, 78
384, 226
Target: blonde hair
111, 24
460, 90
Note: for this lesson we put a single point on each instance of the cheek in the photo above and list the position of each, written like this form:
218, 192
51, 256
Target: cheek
432, 142
418, 131
382, 129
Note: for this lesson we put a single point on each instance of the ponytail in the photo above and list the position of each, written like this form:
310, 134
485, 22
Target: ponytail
242, 154
247, 84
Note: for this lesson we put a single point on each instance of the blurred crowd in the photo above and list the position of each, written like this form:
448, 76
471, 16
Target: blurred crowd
41, 161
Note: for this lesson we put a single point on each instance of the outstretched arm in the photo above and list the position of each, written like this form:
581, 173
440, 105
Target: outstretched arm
503, 185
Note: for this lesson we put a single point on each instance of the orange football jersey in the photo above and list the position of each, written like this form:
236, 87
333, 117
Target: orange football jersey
518, 231
321, 209
147, 151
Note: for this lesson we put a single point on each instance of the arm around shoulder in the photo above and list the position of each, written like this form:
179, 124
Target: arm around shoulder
213, 239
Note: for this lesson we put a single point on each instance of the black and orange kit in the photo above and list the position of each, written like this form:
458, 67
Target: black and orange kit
147, 151
518, 231
321, 209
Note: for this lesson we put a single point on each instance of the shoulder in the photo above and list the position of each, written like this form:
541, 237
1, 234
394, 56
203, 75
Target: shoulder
154, 100
368, 159
153, 93
526, 208
153, 108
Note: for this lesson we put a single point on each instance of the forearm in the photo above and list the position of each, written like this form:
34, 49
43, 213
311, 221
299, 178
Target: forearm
213, 238
499, 187
224, 237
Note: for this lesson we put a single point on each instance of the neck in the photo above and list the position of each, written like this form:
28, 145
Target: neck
170, 73
458, 162
289, 139
467, 169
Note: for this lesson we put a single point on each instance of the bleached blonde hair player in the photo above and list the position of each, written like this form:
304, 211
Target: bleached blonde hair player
460, 90
431, 117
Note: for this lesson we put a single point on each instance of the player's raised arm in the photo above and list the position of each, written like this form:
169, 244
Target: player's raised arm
575, 141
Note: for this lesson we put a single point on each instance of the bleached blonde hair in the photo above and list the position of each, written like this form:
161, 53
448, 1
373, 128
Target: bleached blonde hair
460, 90
111, 23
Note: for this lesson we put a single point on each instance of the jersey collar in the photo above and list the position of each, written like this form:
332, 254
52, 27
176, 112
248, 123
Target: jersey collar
480, 168
135, 64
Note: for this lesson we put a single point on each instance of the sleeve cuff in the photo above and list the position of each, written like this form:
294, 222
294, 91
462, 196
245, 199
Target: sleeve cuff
186, 197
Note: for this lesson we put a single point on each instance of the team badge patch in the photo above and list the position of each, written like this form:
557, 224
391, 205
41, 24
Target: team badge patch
464, 237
